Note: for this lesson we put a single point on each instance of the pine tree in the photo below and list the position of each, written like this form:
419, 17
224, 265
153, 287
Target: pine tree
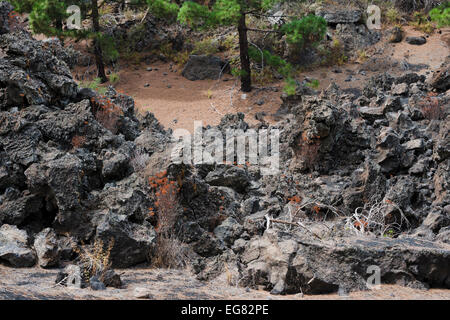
22, 6
308, 30
227, 12
48, 16
97, 47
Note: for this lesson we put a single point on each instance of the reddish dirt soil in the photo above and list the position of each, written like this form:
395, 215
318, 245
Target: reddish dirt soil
188, 101
208, 100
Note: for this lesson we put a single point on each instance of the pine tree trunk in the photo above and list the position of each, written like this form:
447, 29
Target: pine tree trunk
59, 27
246, 79
97, 48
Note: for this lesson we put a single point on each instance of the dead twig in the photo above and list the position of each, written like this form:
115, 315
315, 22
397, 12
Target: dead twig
56, 284
214, 108
297, 224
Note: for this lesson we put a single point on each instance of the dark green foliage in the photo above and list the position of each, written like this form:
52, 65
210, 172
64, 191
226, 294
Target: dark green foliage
163, 8
47, 17
227, 12
441, 15
196, 15
272, 60
108, 45
22, 6
290, 87
308, 31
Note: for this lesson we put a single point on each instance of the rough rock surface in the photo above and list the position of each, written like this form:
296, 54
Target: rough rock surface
138, 35
62, 169
68, 175
286, 265
47, 250
336, 15
441, 78
395, 35
201, 67
5, 10
418, 41
14, 247
355, 37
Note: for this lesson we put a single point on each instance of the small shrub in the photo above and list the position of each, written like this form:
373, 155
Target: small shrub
181, 58
334, 54
362, 55
114, 78
95, 260
195, 15
139, 160
94, 85
308, 31
421, 23
393, 16
163, 8
107, 113
263, 77
270, 61
166, 49
104, 10
229, 43
208, 46
169, 253
237, 72
290, 87
314, 84
441, 15
379, 218
132, 57
266, 58
128, 14
169, 249
166, 203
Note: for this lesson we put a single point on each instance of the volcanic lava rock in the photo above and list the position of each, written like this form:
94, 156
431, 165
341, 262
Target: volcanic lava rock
14, 247
201, 67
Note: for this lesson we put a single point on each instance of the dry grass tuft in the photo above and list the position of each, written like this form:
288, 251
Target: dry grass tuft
169, 250
107, 113
379, 218
140, 160
94, 259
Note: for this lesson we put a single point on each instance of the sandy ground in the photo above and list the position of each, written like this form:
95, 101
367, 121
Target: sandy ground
36, 283
188, 101
432, 53
178, 102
